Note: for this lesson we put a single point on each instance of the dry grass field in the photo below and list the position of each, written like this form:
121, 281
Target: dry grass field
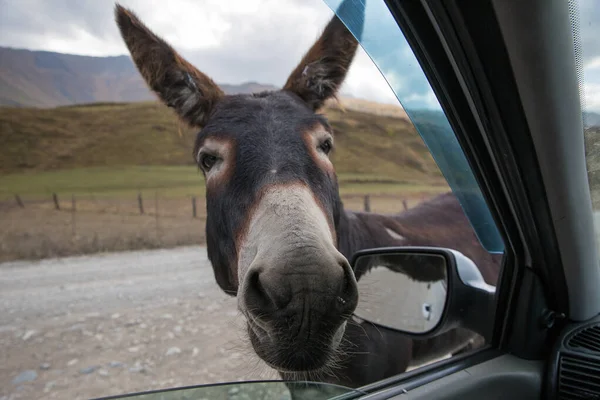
101, 224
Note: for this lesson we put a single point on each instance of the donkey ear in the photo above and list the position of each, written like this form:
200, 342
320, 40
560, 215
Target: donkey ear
323, 68
176, 82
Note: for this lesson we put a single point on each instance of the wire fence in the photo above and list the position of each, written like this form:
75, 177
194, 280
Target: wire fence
64, 224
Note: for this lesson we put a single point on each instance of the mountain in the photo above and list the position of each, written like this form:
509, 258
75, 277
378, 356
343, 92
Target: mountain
47, 79
591, 119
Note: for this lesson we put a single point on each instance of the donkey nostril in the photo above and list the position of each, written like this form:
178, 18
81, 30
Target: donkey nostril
263, 295
256, 293
348, 297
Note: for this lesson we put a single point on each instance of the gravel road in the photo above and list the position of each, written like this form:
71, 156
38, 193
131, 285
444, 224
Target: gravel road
82, 327
91, 326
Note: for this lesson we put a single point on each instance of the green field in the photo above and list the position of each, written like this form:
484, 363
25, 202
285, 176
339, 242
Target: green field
169, 181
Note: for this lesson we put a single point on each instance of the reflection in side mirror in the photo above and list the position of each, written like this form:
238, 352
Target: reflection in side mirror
422, 291
402, 291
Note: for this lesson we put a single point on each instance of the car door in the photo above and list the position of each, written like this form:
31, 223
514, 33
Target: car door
505, 74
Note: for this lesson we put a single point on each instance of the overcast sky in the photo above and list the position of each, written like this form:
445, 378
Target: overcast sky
234, 41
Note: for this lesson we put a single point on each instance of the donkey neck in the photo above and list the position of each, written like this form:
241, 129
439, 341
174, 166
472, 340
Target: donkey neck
358, 230
436, 222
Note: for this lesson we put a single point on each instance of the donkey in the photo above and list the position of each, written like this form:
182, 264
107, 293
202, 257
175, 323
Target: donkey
277, 234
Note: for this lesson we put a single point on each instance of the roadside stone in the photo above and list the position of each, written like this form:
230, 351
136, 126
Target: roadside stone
72, 362
133, 349
29, 334
115, 316
177, 329
172, 351
138, 367
115, 364
76, 327
49, 386
195, 352
103, 372
45, 366
88, 370
25, 376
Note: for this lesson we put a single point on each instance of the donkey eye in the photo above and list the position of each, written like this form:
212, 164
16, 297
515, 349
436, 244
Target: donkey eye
326, 146
207, 161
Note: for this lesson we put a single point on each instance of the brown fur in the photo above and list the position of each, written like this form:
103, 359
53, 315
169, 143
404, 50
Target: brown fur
216, 184
323, 68
308, 139
178, 84
439, 222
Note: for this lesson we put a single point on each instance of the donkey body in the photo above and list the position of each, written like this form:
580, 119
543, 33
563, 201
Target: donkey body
277, 234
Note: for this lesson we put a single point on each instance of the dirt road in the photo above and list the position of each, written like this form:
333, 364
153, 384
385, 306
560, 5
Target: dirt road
82, 327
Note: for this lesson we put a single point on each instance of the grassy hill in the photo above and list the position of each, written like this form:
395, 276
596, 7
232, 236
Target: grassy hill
103, 155
148, 133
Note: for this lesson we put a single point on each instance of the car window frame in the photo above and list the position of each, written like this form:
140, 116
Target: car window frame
482, 130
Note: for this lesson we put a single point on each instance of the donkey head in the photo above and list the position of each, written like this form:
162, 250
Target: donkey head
273, 207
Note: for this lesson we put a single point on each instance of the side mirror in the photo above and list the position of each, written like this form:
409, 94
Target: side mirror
422, 291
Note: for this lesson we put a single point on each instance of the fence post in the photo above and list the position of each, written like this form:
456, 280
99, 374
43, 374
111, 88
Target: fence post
140, 203
156, 216
55, 198
19, 201
73, 224
194, 206
367, 203
404, 204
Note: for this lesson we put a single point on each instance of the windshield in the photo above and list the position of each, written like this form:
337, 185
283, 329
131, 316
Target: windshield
589, 63
264, 390
386, 45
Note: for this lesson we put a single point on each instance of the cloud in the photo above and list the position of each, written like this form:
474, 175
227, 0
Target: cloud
233, 41
236, 41
589, 31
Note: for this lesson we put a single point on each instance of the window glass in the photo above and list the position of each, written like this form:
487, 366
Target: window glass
384, 42
587, 19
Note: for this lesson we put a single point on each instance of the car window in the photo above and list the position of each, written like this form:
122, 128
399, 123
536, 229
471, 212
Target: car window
588, 58
264, 390
384, 42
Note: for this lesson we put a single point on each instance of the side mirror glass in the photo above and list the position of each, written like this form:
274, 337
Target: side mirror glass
422, 291
402, 291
